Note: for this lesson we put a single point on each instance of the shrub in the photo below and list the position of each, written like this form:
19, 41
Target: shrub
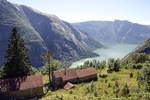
90, 88
147, 96
109, 85
106, 81
103, 75
116, 89
131, 75
61, 98
105, 92
113, 65
99, 98
95, 93
143, 77
70, 92
125, 91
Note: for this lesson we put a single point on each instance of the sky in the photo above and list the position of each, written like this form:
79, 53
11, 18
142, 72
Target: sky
137, 11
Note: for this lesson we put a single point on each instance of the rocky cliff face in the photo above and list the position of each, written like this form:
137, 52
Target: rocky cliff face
42, 32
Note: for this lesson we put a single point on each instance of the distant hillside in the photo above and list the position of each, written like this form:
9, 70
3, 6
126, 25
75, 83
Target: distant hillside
115, 31
142, 48
42, 32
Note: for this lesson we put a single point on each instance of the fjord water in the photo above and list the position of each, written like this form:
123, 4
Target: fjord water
111, 51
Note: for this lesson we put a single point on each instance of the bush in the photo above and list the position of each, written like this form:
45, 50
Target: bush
70, 92
103, 75
113, 65
95, 93
109, 85
90, 88
143, 77
125, 91
147, 96
95, 64
131, 74
116, 89
116, 84
140, 58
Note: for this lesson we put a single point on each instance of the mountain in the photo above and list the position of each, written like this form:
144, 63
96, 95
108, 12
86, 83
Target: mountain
115, 31
142, 48
42, 32
13, 16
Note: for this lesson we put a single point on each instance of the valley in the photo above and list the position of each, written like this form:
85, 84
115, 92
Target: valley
45, 57
111, 51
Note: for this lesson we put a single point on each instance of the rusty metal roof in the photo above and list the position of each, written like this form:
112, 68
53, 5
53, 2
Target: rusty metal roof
67, 74
86, 72
70, 74
69, 85
22, 83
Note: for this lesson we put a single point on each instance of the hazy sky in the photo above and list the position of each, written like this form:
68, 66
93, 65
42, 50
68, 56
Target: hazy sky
83, 10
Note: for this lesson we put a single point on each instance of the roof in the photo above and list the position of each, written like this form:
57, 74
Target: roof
86, 72
70, 74
69, 85
22, 83
67, 74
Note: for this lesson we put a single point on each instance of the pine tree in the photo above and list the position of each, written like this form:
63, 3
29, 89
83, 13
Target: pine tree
17, 61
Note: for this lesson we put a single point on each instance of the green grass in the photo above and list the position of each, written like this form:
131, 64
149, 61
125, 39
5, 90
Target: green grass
103, 91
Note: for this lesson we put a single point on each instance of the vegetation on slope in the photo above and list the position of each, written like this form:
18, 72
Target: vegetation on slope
102, 89
125, 83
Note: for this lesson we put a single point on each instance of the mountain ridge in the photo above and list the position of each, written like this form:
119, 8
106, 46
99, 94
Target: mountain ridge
43, 32
120, 31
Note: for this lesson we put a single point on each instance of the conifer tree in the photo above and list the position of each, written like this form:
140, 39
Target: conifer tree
17, 61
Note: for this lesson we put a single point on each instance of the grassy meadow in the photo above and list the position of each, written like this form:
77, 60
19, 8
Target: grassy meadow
102, 89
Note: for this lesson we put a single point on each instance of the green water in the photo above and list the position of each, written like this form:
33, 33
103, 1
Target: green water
112, 51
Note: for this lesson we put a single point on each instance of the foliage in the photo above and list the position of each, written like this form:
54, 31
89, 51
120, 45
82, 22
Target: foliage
17, 61
55, 65
144, 76
131, 75
136, 61
96, 64
103, 89
50, 64
116, 84
140, 58
113, 65
125, 91
91, 89
116, 89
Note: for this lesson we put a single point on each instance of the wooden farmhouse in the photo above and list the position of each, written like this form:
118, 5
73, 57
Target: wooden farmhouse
61, 77
21, 87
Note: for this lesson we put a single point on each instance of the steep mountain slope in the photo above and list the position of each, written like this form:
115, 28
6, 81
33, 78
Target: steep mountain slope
142, 48
59, 36
115, 32
42, 32
13, 16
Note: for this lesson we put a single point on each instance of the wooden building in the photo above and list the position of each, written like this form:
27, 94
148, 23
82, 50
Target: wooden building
21, 87
61, 77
